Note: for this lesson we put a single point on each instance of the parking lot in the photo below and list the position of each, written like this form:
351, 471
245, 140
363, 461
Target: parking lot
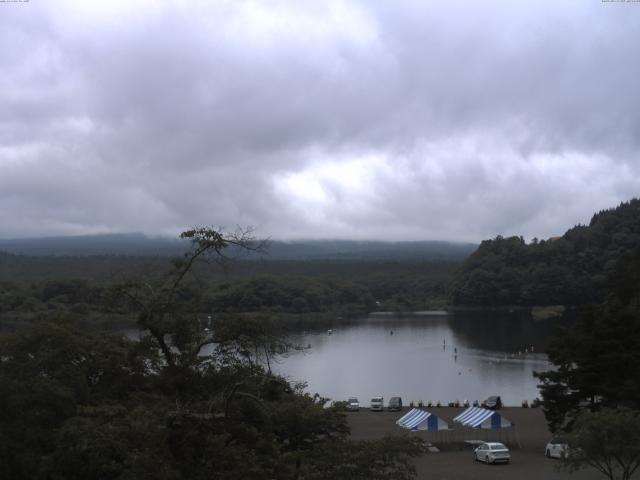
455, 461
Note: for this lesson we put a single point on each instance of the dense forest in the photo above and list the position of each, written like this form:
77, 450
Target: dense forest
591, 395
34, 289
568, 270
40, 278
597, 360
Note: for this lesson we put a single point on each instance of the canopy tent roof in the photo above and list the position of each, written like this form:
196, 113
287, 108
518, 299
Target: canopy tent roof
477, 417
417, 419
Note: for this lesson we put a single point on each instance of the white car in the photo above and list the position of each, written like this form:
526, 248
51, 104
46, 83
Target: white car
377, 404
492, 452
353, 404
556, 448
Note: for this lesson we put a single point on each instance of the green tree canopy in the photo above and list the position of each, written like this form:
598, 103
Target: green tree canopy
607, 440
569, 270
597, 360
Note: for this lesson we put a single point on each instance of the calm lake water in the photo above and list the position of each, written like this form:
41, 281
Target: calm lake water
468, 355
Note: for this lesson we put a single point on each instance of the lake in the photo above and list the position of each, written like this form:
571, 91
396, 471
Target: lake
426, 356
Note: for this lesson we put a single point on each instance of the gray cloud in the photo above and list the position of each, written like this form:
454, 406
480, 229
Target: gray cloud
317, 119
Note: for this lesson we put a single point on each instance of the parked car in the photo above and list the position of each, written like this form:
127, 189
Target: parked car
353, 404
493, 403
556, 448
492, 452
395, 403
377, 404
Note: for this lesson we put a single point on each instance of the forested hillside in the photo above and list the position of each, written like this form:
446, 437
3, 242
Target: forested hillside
569, 270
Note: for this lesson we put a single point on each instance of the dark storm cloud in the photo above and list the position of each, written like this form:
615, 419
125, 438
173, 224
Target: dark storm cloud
334, 119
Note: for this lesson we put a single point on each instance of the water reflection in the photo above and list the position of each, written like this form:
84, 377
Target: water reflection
465, 356
502, 330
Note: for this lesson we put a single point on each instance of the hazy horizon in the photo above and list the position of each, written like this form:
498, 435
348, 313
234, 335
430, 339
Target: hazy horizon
271, 239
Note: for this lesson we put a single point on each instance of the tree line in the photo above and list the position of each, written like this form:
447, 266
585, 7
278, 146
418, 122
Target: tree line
277, 287
568, 270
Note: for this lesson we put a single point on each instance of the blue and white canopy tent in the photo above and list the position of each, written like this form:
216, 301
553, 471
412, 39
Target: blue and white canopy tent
488, 421
418, 419
477, 417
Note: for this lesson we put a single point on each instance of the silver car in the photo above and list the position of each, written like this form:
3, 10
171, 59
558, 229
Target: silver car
353, 404
492, 452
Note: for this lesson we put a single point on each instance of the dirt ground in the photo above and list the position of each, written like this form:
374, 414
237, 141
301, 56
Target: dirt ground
526, 442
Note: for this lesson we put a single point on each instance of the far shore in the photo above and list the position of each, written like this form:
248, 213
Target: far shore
538, 312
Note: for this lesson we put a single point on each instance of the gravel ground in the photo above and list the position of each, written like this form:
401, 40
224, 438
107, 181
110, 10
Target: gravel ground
455, 461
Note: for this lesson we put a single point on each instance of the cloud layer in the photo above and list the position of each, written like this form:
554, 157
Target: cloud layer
338, 119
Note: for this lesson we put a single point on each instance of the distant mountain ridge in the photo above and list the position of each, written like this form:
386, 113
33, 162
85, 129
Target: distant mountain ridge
138, 244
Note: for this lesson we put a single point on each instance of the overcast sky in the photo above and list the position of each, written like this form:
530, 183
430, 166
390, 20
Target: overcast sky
387, 120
